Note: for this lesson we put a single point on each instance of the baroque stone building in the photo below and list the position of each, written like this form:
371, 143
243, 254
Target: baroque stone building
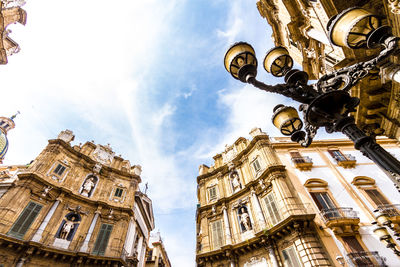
10, 12
300, 26
74, 205
270, 202
156, 253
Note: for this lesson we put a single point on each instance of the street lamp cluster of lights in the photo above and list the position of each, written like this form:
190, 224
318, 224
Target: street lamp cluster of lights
326, 103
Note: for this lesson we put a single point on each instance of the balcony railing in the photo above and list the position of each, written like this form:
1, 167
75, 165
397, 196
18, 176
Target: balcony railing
302, 163
367, 258
338, 213
389, 210
345, 160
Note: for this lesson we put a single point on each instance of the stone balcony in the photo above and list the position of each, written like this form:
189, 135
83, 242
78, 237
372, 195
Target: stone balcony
302, 163
366, 258
346, 161
342, 221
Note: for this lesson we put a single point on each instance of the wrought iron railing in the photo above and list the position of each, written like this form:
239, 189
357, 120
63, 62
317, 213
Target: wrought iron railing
389, 210
344, 157
304, 159
338, 213
367, 258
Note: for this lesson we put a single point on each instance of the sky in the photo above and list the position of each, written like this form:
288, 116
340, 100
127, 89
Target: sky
147, 77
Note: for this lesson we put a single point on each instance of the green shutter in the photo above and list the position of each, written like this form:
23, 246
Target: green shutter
102, 239
272, 209
25, 220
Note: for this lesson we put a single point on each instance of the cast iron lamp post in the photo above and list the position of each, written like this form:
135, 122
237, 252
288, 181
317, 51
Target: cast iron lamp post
327, 103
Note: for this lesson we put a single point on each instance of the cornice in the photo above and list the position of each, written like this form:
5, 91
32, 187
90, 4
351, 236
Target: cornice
90, 161
68, 193
238, 158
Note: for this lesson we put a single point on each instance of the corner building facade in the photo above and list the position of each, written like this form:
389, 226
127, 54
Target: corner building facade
74, 205
300, 26
263, 203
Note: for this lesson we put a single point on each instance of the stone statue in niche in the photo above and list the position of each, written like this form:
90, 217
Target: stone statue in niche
67, 227
88, 186
244, 216
236, 185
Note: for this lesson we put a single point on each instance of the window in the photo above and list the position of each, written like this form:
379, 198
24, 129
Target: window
256, 165
217, 235
376, 197
356, 250
59, 170
325, 204
290, 258
297, 158
118, 192
337, 155
102, 239
212, 193
25, 220
272, 209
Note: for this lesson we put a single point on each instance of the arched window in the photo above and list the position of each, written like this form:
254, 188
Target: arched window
68, 226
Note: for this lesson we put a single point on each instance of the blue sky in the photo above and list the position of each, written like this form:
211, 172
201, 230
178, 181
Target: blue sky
146, 77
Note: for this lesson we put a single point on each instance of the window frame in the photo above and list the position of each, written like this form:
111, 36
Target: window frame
269, 220
24, 224
209, 188
221, 235
98, 241
296, 256
59, 177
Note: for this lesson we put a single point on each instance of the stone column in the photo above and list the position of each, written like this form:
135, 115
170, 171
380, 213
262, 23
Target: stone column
139, 251
39, 232
285, 196
272, 257
85, 245
257, 208
129, 237
227, 227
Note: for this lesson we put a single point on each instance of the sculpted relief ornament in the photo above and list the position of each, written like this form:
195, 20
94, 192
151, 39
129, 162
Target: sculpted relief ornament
103, 154
394, 6
236, 185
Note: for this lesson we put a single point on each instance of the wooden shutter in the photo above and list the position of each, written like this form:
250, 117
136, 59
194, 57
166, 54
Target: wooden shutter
290, 258
337, 155
376, 197
212, 192
217, 235
272, 208
59, 169
102, 239
25, 220
323, 201
256, 165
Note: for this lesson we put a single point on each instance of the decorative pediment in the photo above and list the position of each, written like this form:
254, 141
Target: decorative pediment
103, 154
363, 180
315, 182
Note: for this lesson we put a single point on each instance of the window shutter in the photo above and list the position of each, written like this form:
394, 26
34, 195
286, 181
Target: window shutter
376, 197
25, 220
290, 258
102, 239
297, 157
256, 165
59, 170
217, 235
272, 208
323, 201
213, 192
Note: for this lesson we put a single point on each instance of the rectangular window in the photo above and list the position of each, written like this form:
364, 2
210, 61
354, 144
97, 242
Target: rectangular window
272, 209
25, 220
356, 251
212, 193
102, 239
325, 204
59, 170
376, 197
118, 192
217, 234
256, 165
290, 258
297, 158
337, 155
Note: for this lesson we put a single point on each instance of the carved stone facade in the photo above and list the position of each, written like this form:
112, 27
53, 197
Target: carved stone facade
300, 26
74, 205
252, 221
156, 253
286, 216
10, 12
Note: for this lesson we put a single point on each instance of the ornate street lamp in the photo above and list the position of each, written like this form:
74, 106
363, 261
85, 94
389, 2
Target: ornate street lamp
327, 103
